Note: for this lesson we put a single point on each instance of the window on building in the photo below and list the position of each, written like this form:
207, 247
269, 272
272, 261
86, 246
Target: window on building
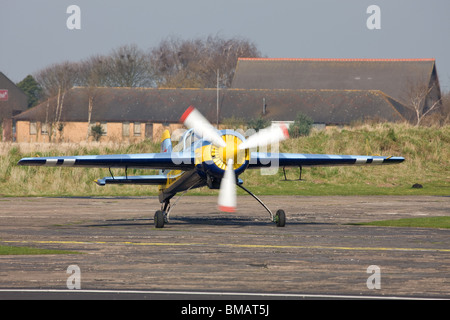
125, 129
44, 128
149, 130
137, 129
33, 127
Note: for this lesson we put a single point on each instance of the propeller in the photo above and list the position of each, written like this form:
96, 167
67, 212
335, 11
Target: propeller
193, 119
265, 137
227, 192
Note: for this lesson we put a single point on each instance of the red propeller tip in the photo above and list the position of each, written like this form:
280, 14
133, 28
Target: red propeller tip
227, 209
285, 130
186, 113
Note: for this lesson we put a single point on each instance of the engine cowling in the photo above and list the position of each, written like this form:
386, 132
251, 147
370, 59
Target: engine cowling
212, 160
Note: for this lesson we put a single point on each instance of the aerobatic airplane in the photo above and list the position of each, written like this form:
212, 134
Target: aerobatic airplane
208, 157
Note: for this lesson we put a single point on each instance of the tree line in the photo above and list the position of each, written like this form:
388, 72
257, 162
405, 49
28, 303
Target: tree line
174, 63
177, 63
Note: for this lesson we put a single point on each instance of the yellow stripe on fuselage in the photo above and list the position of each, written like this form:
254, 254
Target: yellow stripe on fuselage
172, 176
203, 154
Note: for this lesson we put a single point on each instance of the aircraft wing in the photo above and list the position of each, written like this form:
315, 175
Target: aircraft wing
259, 159
173, 160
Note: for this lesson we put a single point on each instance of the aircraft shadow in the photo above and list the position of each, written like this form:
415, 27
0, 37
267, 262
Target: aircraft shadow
201, 220
231, 221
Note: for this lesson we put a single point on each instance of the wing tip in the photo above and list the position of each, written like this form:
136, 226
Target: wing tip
100, 182
31, 162
394, 160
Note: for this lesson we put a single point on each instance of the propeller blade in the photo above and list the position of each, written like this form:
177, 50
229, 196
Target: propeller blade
265, 137
193, 119
227, 192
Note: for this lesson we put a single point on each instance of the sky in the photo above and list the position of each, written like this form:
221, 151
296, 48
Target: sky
35, 34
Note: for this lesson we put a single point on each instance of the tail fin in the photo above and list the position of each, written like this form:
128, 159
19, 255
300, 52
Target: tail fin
166, 146
166, 143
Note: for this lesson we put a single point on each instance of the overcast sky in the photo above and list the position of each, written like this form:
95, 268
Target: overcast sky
34, 33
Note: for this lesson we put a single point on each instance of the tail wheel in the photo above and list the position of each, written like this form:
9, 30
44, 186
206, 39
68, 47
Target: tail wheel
280, 218
159, 219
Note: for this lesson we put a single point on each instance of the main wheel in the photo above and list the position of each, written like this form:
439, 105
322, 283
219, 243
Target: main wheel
159, 219
280, 218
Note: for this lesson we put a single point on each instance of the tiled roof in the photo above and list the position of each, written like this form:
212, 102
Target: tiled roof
391, 76
167, 105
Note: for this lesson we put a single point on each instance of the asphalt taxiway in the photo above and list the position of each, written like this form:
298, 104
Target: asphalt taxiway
319, 253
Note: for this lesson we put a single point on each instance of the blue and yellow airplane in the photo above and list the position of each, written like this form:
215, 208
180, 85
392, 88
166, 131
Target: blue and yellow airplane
208, 157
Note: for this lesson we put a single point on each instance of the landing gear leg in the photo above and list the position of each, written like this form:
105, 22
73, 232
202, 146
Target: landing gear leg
280, 216
166, 207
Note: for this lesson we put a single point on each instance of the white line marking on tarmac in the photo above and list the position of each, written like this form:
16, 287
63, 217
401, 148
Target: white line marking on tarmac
225, 294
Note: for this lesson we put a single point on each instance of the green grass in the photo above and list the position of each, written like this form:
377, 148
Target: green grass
426, 150
13, 250
428, 222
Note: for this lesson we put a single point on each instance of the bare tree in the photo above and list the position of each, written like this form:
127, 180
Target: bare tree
129, 67
94, 73
446, 108
173, 63
420, 100
56, 80
125, 66
223, 55
194, 63
177, 63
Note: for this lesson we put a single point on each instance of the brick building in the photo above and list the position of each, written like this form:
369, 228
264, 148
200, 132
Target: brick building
135, 114
12, 102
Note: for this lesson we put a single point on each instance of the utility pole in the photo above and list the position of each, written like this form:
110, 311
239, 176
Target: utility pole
217, 99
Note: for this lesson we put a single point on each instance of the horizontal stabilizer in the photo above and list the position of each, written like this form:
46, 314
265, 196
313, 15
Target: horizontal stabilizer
148, 180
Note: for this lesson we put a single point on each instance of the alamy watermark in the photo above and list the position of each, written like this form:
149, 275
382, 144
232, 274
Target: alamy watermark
73, 22
374, 280
74, 280
373, 22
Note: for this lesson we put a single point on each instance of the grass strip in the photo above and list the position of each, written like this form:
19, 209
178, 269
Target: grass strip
425, 222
